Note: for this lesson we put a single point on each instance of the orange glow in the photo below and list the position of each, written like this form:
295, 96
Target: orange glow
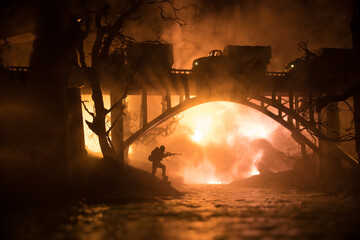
224, 124
91, 140
253, 170
131, 151
202, 174
214, 182
218, 141
204, 122
197, 137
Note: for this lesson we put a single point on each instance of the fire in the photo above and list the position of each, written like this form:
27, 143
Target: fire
202, 174
214, 139
201, 127
254, 131
214, 182
197, 137
225, 125
254, 171
91, 140
131, 150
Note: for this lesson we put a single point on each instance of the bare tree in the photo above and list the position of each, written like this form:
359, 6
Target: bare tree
316, 105
111, 40
311, 108
165, 129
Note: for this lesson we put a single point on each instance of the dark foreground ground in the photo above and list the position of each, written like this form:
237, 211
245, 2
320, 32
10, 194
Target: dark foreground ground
204, 212
97, 202
25, 184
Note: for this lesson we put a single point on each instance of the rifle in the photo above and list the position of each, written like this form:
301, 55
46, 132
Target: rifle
167, 154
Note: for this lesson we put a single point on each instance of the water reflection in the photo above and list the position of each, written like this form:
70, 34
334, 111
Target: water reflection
205, 212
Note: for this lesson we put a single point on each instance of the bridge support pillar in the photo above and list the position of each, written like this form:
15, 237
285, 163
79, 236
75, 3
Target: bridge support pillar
168, 99
163, 104
143, 113
297, 105
357, 123
279, 101
117, 132
75, 142
311, 110
291, 106
330, 161
185, 80
273, 95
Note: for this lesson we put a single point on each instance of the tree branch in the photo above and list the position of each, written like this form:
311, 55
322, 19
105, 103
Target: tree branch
86, 109
113, 124
322, 102
114, 29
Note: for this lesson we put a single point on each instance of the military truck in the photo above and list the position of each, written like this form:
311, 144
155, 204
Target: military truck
235, 62
328, 68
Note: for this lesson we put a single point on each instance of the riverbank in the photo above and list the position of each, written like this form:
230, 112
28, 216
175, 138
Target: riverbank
131, 185
304, 180
28, 182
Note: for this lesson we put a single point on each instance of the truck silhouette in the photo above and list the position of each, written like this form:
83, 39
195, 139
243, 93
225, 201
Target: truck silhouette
234, 62
327, 69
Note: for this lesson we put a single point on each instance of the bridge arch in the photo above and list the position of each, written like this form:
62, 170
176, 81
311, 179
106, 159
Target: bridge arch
262, 107
287, 117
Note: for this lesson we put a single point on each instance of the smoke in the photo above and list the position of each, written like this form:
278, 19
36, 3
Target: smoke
220, 142
211, 25
280, 24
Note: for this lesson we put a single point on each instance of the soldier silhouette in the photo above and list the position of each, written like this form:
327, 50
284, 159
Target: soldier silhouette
156, 157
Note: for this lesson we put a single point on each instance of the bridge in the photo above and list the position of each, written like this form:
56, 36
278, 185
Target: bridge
269, 94
285, 107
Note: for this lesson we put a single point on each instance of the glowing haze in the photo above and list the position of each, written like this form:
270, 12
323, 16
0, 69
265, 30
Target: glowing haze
219, 143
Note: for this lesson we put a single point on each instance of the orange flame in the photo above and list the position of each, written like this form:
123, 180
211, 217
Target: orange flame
208, 136
209, 124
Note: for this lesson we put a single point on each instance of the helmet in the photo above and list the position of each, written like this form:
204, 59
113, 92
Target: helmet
162, 148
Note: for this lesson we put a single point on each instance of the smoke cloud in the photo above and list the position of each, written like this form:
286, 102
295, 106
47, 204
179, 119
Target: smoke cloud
280, 24
221, 142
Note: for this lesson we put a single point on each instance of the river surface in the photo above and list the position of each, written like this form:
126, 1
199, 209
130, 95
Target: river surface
205, 212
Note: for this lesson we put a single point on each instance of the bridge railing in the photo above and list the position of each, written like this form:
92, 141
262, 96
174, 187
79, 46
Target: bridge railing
181, 71
18, 69
276, 74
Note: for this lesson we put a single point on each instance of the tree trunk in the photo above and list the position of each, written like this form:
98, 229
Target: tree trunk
98, 126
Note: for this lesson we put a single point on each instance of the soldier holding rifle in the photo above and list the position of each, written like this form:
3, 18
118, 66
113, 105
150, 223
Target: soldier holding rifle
156, 156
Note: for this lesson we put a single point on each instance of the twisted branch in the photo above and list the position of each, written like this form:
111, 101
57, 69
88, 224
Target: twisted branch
86, 109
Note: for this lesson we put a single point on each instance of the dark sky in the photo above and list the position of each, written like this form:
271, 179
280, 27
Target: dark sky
280, 24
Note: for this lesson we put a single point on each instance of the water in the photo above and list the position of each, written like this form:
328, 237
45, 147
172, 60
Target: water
205, 212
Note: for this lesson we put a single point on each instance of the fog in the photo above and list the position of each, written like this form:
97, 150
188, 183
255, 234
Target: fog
226, 152
220, 142
230, 154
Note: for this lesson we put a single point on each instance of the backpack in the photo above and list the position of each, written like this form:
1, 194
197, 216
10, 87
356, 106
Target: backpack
151, 157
